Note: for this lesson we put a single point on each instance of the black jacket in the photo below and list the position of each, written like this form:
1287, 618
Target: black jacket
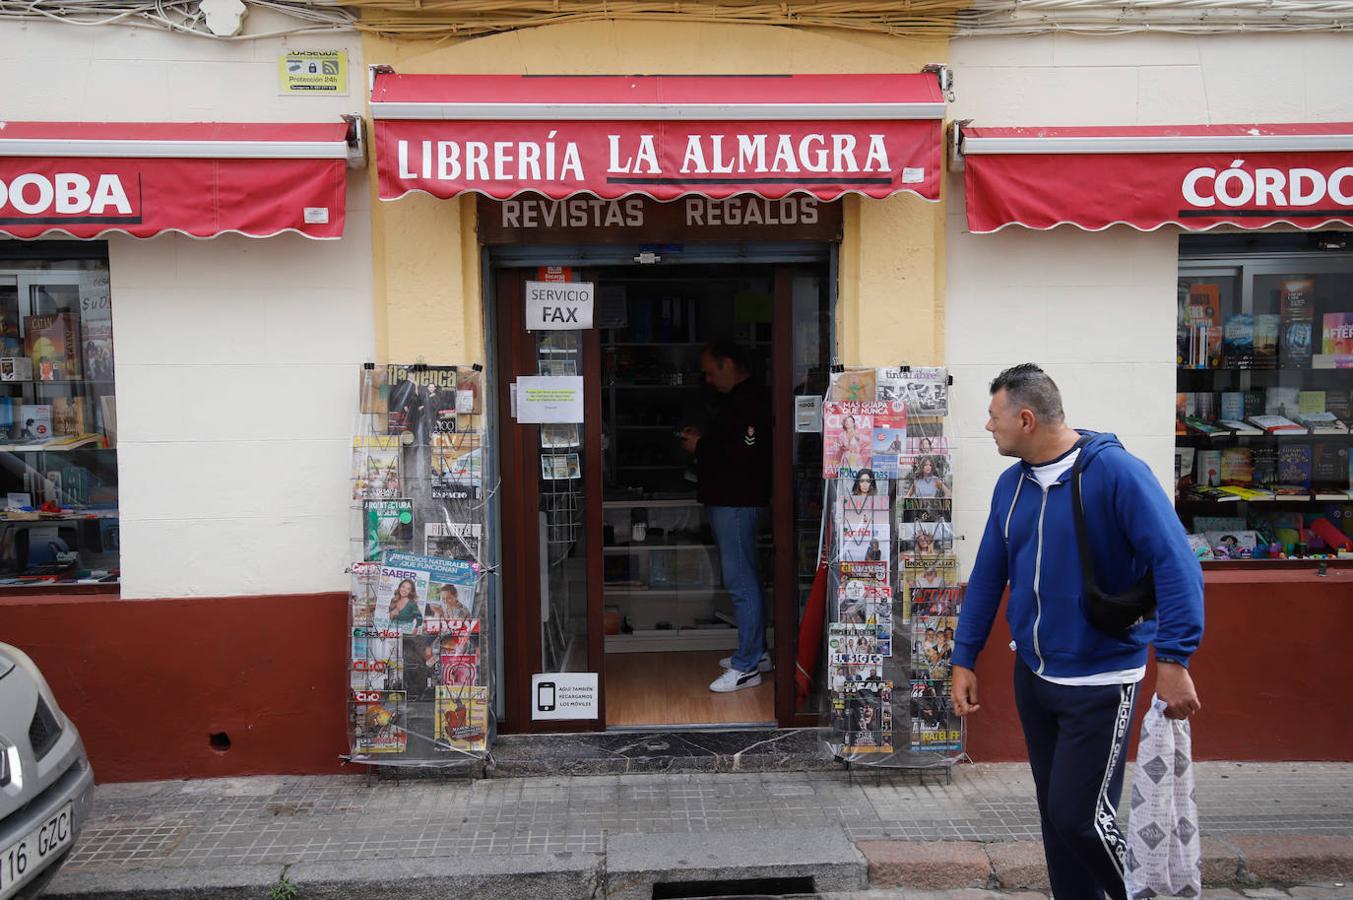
733, 457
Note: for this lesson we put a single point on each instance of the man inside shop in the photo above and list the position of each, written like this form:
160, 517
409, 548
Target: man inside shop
733, 463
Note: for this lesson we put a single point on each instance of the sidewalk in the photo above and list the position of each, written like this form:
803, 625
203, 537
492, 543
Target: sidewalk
1269, 830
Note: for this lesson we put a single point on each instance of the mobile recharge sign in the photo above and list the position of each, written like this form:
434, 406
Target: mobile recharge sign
564, 695
559, 306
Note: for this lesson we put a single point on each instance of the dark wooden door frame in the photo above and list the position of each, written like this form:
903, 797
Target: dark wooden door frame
519, 501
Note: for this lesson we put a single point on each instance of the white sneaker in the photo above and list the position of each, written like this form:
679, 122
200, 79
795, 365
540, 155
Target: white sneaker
765, 665
733, 680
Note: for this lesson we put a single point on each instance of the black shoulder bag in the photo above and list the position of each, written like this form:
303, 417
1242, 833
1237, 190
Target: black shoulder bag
1111, 613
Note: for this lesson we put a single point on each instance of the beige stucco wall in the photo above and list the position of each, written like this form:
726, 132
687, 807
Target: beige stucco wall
426, 261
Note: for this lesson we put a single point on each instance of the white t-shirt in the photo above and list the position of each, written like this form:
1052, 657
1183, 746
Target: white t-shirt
1048, 474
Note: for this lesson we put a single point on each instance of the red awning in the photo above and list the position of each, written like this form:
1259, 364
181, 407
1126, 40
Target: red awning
663, 136
89, 179
1193, 176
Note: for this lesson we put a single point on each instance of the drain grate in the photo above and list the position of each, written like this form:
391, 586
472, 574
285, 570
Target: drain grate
745, 888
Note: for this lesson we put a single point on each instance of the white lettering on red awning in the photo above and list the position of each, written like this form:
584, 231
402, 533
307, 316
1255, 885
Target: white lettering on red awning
1236, 186
65, 193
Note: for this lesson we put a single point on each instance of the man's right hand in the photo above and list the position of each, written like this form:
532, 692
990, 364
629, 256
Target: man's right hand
964, 691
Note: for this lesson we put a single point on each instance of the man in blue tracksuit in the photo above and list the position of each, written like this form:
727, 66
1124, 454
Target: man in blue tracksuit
1074, 685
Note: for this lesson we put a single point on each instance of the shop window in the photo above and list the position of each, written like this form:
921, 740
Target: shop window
1265, 396
58, 417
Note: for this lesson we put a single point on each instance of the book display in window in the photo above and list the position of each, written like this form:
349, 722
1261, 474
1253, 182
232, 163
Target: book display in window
419, 683
1263, 427
59, 488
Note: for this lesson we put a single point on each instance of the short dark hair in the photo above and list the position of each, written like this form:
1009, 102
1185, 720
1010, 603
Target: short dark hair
1029, 387
731, 350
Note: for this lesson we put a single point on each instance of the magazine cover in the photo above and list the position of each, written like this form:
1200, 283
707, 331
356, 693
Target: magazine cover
846, 641
861, 603
924, 477
931, 510
890, 439
853, 386
378, 721
377, 663
373, 389
868, 711
934, 724
376, 467
421, 399
457, 467
462, 718
863, 528
928, 570
848, 437
469, 392
365, 576
925, 538
932, 645
936, 601
388, 525
415, 589
454, 540
924, 445
924, 389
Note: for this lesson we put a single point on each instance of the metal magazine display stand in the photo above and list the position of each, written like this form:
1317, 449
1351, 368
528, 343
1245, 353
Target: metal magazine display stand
420, 623
893, 593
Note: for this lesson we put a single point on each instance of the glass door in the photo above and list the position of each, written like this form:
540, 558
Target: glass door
550, 470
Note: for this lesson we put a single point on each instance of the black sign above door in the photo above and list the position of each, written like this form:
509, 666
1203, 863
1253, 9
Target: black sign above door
535, 219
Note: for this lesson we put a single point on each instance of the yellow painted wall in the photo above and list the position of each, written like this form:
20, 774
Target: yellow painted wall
428, 292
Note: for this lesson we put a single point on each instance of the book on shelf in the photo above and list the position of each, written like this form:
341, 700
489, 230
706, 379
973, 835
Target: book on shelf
1237, 348
68, 415
1267, 327
1209, 468
1290, 491
1202, 426
1332, 361
1329, 466
52, 342
33, 423
1276, 425
1239, 426
1237, 466
1232, 405
1247, 492
1203, 322
1209, 494
1294, 464
1282, 401
1322, 423
16, 368
1336, 334
97, 346
1296, 298
1265, 460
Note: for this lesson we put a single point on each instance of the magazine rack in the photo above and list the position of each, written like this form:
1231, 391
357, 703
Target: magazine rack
420, 685
893, 593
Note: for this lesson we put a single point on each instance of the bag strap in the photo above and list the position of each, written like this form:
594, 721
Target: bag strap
1082, 543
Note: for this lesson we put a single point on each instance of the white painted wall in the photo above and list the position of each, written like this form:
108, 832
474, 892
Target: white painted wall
236, 357
1098, 310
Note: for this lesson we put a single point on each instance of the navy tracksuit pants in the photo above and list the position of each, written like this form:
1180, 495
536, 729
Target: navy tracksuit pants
1077, 739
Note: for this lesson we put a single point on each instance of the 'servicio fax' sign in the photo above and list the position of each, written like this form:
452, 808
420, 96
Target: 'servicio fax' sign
559, 305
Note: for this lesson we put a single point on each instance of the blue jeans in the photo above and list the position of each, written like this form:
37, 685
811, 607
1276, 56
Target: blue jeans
735, 531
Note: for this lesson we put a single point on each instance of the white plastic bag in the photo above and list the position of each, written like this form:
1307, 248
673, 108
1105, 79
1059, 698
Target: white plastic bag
1164, 853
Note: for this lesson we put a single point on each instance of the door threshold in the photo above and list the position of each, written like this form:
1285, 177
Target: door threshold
707, 726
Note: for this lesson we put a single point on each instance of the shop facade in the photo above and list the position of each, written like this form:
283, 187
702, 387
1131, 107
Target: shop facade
887, 280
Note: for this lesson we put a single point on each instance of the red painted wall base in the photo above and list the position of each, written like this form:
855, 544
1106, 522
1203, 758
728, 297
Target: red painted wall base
149, 682
1271, 672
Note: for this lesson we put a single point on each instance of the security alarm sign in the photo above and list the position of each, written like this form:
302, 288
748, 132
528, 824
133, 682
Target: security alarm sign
559, 306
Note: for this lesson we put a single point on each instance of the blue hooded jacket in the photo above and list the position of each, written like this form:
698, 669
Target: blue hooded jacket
1030, 542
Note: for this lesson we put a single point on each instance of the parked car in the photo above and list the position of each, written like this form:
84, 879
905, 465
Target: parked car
46, 783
